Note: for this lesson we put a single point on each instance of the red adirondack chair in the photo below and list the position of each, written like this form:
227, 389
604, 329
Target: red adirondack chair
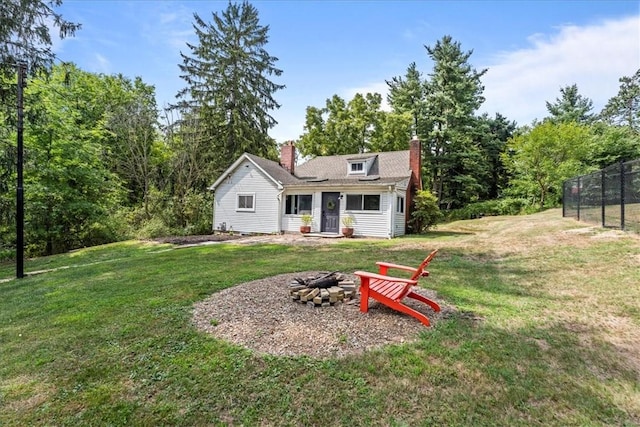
390, 290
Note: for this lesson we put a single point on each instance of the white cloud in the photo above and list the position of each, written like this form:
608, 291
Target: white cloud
172, 29
594, 57
100, 64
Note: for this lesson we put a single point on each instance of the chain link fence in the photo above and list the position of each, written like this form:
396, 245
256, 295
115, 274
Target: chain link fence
610, 197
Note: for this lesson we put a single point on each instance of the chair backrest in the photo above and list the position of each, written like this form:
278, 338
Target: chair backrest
421, 272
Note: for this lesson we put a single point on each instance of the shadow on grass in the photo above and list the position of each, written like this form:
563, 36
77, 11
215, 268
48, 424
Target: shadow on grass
470, 374
434, 234
485, 284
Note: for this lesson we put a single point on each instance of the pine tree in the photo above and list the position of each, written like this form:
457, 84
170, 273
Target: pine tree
24, 32
570, 107
442, 107
624, 108
407, 95
453, 95
228, 86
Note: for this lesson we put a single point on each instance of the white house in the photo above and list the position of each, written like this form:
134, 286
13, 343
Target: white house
256, 195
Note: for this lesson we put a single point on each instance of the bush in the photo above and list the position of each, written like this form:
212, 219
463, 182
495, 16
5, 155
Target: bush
155, 227
426, 213
507, 206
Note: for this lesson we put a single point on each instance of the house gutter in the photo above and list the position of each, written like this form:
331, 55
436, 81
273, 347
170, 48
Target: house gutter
279, 198
391, 212
213, 209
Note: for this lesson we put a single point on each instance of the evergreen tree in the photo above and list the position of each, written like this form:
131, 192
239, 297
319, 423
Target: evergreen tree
442, 107
570, 107
24, 32
454, 93
407, 95
228, 86
491, 135
624, 108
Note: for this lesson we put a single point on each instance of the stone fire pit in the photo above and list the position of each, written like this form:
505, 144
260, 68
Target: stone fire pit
323, 290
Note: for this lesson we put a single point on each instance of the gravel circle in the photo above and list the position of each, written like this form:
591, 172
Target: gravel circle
261, 316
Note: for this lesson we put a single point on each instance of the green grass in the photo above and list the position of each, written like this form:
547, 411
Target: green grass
545, 332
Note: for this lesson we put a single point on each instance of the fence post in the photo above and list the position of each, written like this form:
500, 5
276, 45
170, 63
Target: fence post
564, 197
621, 195
602, 196
579, 195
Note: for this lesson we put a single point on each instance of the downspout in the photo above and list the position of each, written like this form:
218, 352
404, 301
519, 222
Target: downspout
213, 211
391, 213
279, 198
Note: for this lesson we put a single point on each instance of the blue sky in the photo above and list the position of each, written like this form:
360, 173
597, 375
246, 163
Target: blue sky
531, 48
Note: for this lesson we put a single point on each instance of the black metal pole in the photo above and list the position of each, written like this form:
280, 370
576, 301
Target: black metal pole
579, 195
622, 198
22, 71
603, 196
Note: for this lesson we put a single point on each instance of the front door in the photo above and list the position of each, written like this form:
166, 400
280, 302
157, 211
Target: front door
330, 212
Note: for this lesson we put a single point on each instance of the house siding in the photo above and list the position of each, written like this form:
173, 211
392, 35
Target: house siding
371, 223
291, 222
399, 228
367, 223
248, 179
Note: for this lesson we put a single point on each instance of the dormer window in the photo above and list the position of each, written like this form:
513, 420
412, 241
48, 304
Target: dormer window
356, 167
360, 165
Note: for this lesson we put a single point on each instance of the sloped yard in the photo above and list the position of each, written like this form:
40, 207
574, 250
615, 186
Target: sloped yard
542, 328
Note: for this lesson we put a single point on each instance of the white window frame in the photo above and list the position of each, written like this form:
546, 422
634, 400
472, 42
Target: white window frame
253, 202
298, 212
400, 204
362, 196
354, 171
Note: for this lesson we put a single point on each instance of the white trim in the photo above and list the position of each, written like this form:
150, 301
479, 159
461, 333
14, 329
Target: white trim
253, 202
362, 195
237, 163
400, 204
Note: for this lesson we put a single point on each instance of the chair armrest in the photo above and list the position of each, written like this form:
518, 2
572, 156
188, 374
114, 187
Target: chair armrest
396, 266
381, 277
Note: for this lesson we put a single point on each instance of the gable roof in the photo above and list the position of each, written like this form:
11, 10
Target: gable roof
269, 168
387, 168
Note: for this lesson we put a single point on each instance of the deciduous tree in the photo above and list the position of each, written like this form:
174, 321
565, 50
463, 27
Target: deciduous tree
69, 191
356, 126
540, 159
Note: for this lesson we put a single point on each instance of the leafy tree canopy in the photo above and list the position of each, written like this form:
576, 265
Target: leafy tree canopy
540, 159
356, 126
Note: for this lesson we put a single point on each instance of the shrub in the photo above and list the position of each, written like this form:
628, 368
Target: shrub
507, 206
426, 213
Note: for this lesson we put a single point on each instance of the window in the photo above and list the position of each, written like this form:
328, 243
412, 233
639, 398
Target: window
363, 202
357, 167
400, 204
246, 202
298, 204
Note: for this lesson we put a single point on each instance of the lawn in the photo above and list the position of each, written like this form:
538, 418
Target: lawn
545, 331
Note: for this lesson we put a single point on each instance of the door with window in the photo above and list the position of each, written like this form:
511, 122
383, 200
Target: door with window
330, 212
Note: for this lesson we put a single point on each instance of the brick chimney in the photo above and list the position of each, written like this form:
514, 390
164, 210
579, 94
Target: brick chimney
415, 162
288, 156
